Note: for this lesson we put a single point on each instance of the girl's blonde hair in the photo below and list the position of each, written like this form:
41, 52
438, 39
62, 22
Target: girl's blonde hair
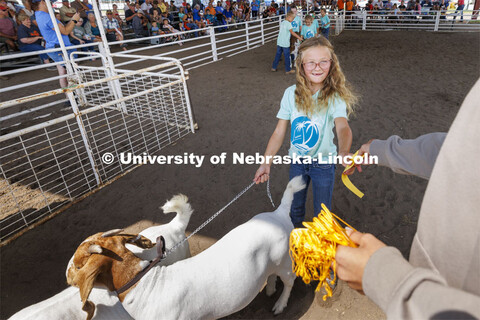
334, 85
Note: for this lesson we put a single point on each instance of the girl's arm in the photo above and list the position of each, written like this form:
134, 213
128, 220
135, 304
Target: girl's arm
274, 144
344, 135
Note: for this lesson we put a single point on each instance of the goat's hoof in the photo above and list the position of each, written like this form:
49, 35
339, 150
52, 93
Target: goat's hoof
278, 308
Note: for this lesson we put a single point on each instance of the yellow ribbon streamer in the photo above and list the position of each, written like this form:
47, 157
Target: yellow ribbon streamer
313, 249
346, 181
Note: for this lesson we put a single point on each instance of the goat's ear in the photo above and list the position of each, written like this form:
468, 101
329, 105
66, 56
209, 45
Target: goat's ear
86, 277
139, 241
111, 233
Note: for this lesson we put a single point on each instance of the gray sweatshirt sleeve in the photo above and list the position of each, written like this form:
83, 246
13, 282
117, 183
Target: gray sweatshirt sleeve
441, 280
406, 292
412, 157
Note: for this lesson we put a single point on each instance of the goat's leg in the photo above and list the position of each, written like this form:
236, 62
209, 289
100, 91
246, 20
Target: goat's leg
288, 279
271, 281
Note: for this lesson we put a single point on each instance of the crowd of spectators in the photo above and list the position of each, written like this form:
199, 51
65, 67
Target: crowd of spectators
157, 17
395, 8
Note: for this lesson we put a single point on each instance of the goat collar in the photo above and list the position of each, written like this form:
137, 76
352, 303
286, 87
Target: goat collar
161, 254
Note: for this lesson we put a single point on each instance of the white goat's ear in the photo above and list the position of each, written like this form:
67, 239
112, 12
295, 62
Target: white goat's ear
111, 233
95, 248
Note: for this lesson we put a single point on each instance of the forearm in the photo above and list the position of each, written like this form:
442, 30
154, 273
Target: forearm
295, 35
29, 40
345, 137
67, 29
413, 293
276, 140
414, 157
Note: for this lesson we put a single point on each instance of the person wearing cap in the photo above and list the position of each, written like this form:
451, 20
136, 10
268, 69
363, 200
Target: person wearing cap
130, 13
8, 32
112, 29
139, 24
46, 27
67, 12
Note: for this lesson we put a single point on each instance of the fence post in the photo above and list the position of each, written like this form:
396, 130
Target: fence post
364, 23
261, 31
437, 21
246, 32
213, 43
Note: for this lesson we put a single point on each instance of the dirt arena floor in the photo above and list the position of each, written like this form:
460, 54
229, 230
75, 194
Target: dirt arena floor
411, 83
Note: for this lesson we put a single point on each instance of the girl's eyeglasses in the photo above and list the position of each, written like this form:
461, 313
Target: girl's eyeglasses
311, 65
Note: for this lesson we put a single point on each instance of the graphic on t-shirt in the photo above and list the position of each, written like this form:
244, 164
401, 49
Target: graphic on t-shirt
309, 34
305, 134
294, 24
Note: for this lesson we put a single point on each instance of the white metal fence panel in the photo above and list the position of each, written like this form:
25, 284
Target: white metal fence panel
428, 20
48, 165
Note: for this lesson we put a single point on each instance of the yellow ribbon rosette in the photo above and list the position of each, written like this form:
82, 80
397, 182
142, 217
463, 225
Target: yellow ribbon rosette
313, 249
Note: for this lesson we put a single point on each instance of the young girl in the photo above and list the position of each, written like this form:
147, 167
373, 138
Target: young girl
319, 101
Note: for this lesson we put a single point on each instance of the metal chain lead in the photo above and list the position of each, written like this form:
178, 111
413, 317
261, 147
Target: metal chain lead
269, 194
216, 214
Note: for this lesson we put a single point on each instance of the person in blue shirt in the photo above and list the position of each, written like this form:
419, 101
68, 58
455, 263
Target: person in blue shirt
46, 27
309, 30
297, 29
219, 8
255, 8
228, 13
196, 13
283, 42
320, 100
325, 22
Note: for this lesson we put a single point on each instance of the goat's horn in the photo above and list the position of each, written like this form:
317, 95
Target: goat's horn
111, 233
95, 248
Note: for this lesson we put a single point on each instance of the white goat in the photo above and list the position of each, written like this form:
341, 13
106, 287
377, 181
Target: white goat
219, 281
68, 305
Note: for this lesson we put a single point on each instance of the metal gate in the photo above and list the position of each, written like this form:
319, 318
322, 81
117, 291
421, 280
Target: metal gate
47, 166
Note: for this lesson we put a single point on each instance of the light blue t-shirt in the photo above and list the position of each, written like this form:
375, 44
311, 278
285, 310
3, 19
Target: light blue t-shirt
47, 30
325, 21
296, 23
309, 31
283, 39
315, 23
311, 136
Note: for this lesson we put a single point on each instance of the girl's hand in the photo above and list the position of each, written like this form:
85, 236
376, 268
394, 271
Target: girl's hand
364, 149
82, 42
262, 174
